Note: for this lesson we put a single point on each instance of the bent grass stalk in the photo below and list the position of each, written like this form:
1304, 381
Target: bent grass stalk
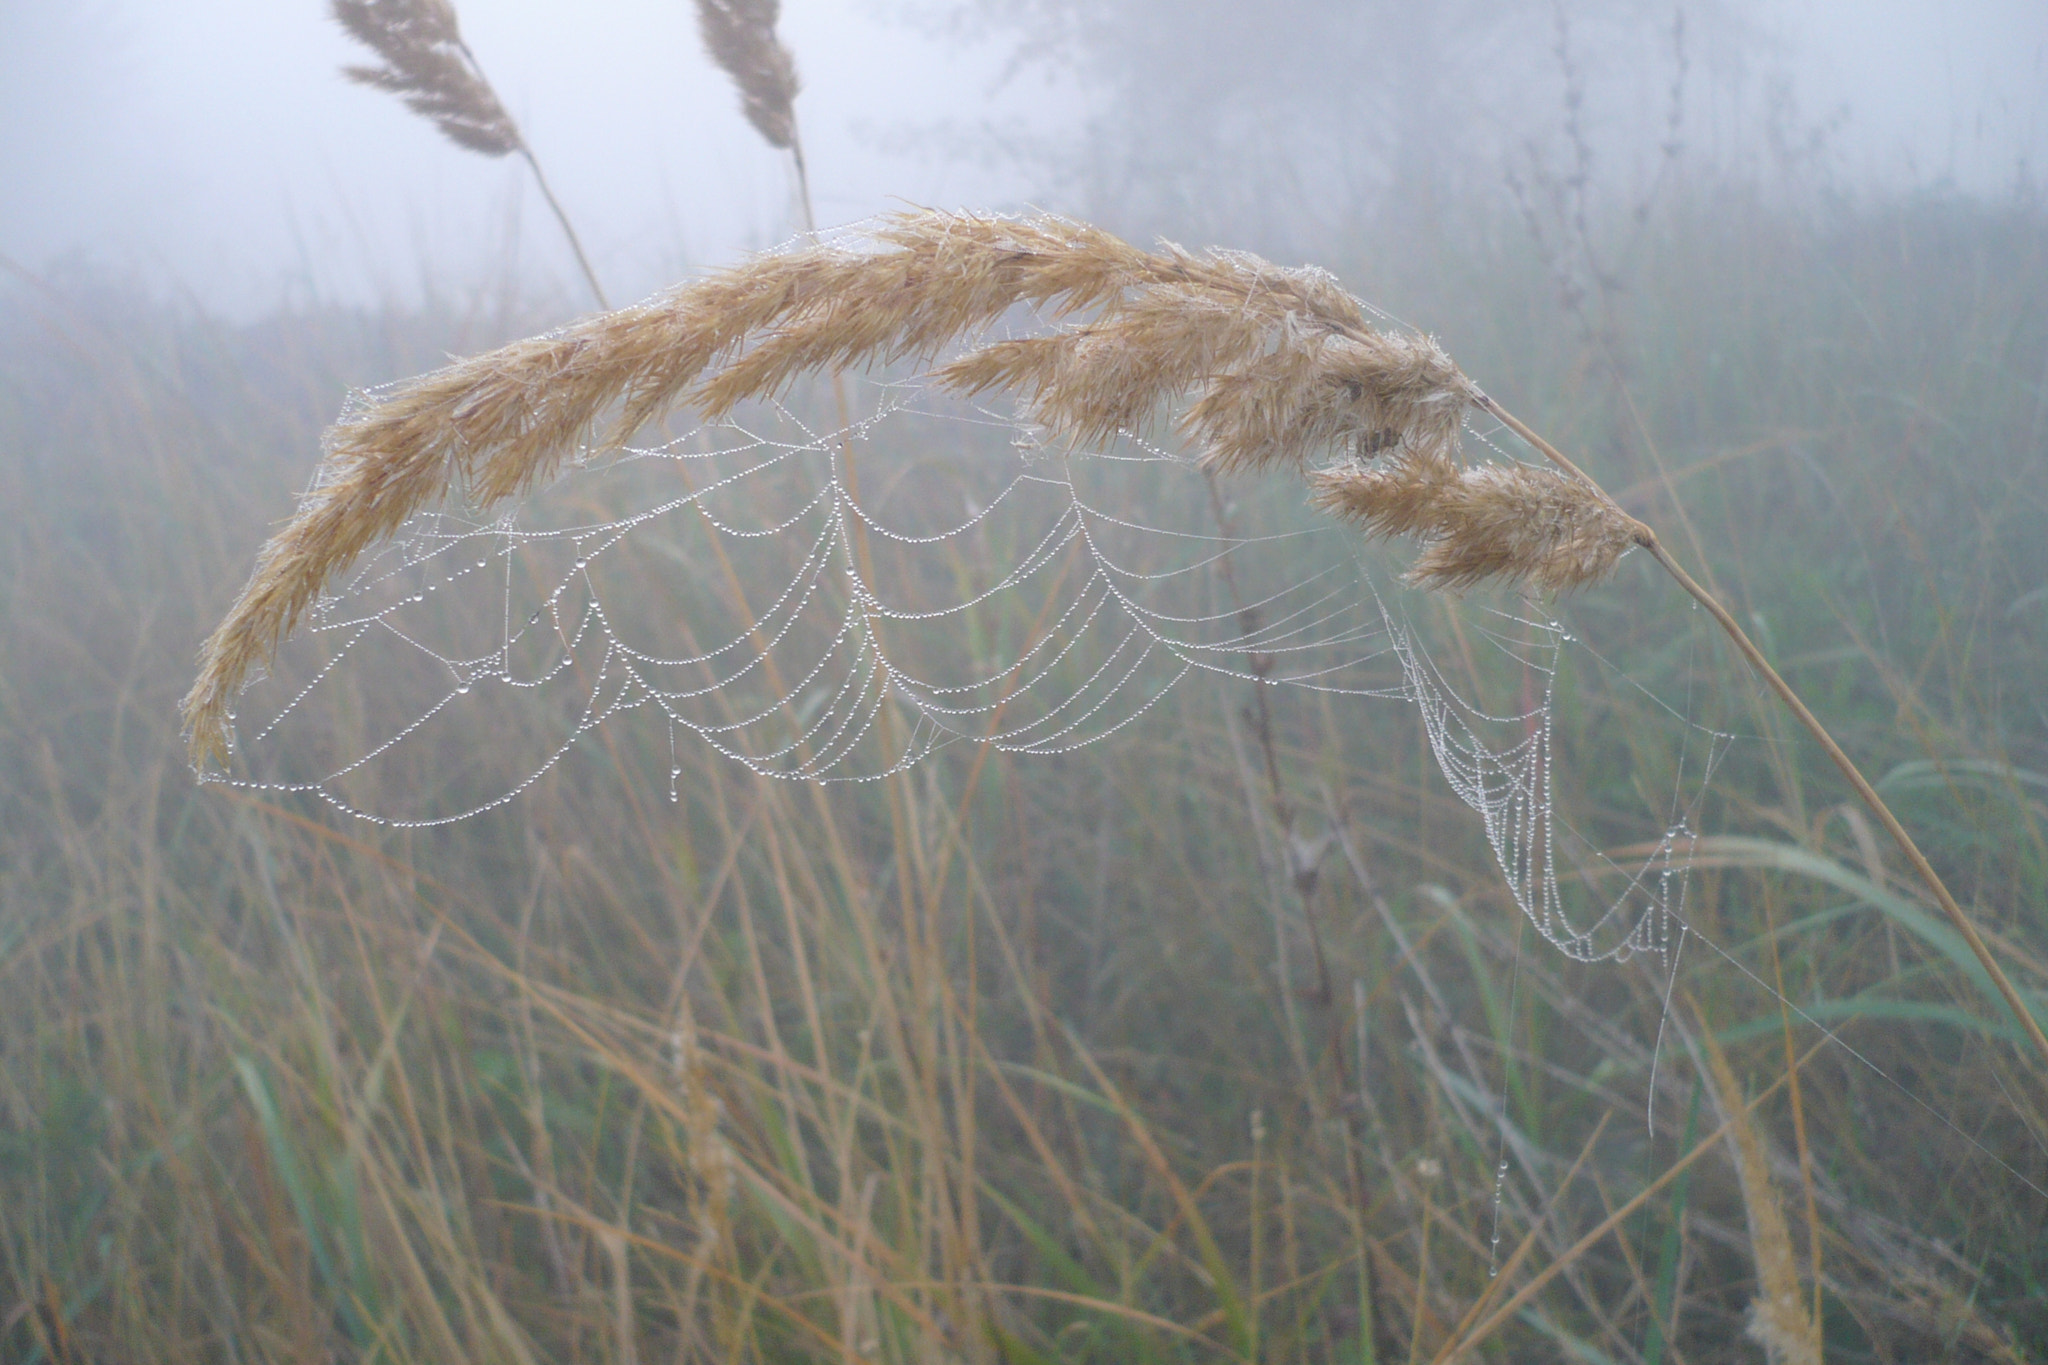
1282, 366
1648, 540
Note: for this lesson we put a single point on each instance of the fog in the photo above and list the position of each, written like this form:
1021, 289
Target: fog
211, 150
214, 147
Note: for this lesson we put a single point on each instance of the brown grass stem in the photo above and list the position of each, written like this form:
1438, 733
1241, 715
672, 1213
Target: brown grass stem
1301, 858
1530, 1238
1799, 1134
740, 36
1778, 1320
1543, 447
1420, 1310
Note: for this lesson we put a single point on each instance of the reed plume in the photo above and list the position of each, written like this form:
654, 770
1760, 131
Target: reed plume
428, 66
1484, 522
740, 36
426, 63
1280, 365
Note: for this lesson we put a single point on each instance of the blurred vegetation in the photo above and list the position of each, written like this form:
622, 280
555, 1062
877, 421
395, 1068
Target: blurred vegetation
1066, 1059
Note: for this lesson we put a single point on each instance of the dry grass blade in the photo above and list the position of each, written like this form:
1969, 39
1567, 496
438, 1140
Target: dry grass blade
1778, 1318
426, 64
740, 36
1468, 1342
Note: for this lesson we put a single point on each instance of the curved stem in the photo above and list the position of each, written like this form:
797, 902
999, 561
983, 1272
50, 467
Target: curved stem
1549, 451
533, 164
803, 178
575, 244
1863, 789
1647, 538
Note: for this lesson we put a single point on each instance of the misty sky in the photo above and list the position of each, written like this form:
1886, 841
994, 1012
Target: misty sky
209, 146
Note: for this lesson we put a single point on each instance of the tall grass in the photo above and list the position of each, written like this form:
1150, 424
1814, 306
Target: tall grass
1030, 1059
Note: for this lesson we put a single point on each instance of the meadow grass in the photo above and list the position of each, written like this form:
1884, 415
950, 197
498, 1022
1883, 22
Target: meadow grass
1029, 1059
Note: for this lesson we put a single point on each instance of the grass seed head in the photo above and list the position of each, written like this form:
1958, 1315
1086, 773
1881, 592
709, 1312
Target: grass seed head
740, 36
1511, 523
426, 64
1778, 1317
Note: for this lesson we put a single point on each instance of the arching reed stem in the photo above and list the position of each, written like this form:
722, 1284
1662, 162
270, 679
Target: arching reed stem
1648, 540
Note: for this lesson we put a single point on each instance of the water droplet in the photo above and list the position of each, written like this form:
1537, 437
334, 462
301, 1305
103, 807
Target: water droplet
483, 564
581, 563
462, 687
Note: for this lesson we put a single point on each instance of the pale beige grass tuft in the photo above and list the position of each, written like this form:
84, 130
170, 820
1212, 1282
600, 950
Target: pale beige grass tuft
1484, 522
740, 36
427, 64
1778, 1317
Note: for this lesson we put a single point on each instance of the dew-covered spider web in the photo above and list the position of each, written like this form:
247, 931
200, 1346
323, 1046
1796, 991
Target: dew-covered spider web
836, 604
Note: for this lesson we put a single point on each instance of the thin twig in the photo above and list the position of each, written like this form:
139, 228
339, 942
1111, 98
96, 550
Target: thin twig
1862, 787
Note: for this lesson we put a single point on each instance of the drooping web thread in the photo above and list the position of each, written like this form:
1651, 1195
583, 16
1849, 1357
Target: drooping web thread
838, 605
1510, 788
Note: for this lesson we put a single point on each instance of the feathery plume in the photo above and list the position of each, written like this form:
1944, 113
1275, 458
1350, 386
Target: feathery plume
430, 67
426, 64
1508, 522
1281, 365
740, 36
